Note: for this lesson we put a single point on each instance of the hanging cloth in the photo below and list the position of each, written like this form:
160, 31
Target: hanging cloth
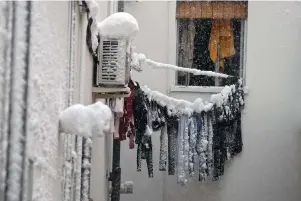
126, 127
222, 33
172, 134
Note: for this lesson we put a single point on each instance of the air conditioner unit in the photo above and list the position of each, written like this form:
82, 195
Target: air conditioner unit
114, 59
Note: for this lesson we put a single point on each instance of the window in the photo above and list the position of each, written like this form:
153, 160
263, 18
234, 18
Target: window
211, 38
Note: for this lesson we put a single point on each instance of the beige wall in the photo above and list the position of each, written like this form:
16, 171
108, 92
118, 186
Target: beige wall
269, 169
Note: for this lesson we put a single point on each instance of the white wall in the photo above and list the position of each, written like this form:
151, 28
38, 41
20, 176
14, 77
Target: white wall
48, 92
50, 54
269, 169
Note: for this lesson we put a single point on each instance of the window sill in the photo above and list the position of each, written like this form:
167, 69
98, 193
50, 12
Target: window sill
199, 89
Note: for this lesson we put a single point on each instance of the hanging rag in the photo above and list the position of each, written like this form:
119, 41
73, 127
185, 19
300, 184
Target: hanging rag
126, 127
222, 35
163, 149
210, 158
202, 147
183, 151
172, 133
118, 113
141, 124
192, 131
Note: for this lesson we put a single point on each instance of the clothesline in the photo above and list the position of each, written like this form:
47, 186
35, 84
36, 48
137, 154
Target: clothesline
139, 59
176, 106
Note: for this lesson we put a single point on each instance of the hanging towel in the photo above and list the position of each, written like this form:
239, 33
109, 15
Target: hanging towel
221, 31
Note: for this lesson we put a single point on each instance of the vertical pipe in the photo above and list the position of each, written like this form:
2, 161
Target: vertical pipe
17, 119
116, 171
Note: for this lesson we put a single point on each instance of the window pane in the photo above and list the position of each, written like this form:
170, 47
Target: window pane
194, 43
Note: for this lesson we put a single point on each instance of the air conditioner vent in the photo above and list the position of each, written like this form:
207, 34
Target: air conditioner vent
112, 69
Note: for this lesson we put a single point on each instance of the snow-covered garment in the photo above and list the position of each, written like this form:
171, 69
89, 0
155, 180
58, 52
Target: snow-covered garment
192, 129
163, 149
126, 127
172, 133
203, 148
143, 140
210, 145
183, 150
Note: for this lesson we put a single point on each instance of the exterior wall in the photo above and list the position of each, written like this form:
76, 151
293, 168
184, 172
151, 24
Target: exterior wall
49, 93
269, 169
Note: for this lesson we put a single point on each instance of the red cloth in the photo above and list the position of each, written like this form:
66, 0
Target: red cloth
126, 126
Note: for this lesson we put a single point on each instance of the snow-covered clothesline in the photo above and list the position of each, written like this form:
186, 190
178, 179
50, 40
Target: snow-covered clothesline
178, 106
140, 59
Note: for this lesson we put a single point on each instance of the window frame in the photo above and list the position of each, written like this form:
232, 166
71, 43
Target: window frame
173, 56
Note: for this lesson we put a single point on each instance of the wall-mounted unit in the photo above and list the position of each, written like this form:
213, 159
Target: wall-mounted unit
114, 59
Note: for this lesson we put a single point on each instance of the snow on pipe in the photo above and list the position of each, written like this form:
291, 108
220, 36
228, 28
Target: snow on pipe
139, 59
6, 15
86, 169
92, 6
18, 98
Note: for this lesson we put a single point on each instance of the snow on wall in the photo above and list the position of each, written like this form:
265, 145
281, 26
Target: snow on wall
48, 92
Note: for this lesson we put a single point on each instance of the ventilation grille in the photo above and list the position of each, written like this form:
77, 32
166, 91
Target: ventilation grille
112, 66
109, 60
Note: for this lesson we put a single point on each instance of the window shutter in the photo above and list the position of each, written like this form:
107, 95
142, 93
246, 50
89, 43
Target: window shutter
212, 9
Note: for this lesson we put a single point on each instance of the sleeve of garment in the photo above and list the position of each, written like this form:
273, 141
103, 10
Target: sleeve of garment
149, 159
139, 159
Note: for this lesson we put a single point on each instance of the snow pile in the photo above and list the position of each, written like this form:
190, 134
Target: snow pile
137, 60
222, 97
119, 25
77, 119
141, 59
102, 118
86, 121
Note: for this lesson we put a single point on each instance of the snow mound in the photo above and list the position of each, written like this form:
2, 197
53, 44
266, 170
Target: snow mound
76, 120
118, 25
102, 118
137, 60
86, 121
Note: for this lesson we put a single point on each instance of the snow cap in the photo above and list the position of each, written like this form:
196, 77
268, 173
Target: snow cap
120, 25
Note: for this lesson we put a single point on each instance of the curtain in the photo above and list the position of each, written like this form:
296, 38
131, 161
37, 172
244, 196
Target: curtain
186, 45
